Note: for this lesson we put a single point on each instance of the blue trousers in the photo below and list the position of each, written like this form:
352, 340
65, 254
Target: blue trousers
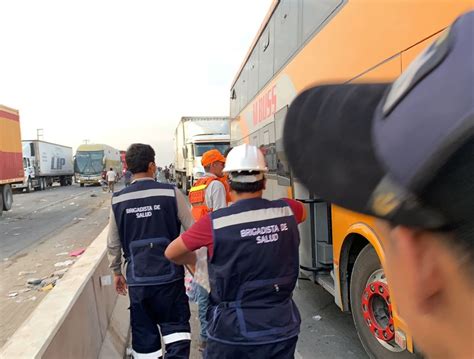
165, 306
280, 350
202, 298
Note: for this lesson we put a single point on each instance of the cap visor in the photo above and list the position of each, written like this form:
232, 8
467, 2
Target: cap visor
328, 142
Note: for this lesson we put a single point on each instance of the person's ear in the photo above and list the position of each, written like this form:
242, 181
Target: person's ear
421, 255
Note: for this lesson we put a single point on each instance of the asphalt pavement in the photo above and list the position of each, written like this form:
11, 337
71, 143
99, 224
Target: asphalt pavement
40, 215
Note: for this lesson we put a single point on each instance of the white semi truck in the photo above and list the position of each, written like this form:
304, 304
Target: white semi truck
193, 137
45, 163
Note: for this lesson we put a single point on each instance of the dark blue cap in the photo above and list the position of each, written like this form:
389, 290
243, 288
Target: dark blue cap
402, 151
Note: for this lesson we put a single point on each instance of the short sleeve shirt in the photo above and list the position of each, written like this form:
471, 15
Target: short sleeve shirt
111, 176
200, 234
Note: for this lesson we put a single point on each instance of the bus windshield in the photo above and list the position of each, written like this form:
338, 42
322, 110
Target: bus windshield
200, 148
89, 162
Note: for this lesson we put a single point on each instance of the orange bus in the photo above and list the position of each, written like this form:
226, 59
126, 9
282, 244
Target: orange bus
303, 42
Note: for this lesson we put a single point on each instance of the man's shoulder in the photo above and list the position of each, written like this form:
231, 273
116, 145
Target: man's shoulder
215, 183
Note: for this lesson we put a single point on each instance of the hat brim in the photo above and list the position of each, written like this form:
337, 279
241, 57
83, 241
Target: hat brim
328, 142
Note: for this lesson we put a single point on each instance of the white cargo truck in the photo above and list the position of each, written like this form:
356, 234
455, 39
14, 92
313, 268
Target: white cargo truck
45, 163
193, 137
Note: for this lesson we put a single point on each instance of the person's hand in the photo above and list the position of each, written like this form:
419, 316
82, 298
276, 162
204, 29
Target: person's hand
120, 284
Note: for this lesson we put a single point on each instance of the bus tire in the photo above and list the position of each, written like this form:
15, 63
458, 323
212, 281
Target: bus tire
7, 195
367, 270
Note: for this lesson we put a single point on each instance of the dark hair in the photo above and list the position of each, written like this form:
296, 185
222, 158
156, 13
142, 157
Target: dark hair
138, 157
111, 168
247, 187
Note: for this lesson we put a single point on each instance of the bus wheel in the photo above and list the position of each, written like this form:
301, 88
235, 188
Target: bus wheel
371, 308
7, 195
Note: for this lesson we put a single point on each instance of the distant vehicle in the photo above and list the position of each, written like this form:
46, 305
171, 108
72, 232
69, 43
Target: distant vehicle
11, 169
124, 163
92, 161
45, 163
193, 137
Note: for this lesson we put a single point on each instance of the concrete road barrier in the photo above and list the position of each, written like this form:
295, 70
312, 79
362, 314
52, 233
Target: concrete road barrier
80, 318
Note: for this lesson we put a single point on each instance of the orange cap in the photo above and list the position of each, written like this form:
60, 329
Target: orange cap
212, 156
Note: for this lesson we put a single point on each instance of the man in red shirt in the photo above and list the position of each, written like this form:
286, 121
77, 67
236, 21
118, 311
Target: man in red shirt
253, 265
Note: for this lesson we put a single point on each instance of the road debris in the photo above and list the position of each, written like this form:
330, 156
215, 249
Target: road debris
12, 294
77, 252
26, 272
59, 273
49, 281
317, 317
62, 254
64, 264
34, 281
47, 288
93, 195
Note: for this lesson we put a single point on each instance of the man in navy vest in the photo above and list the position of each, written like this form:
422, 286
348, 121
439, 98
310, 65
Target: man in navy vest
145, 217
253, 265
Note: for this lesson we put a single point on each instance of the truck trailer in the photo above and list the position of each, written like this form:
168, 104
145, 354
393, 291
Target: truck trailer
193, 137
11, 169
92, 161
45, 163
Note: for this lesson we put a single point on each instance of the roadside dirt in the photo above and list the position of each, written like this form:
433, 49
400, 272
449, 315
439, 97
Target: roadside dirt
17, 301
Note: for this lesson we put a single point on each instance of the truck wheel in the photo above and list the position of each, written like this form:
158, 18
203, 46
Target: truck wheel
82, 184
7, 195
371, 308
1, 201
29, 186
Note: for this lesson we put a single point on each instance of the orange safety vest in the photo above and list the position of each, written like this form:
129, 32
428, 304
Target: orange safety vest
197, 197
225, 182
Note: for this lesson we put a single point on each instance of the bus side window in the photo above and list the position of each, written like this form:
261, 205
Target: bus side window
315, 13
282, 167
286, 31
267, 147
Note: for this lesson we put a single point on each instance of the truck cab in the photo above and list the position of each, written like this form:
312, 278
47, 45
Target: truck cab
195, 148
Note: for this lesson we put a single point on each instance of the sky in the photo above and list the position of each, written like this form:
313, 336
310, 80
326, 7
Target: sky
118, 72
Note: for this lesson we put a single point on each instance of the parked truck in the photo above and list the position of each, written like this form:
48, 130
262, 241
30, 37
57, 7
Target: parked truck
92, 161
193, 137
45, 163
11, 169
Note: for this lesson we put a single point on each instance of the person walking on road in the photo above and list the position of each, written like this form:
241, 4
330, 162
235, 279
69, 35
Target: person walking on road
167, 174
128, 178
206, 195
407, 157
253, 265
111, 177
145, 217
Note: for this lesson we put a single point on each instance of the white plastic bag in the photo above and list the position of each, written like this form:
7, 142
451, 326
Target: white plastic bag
190, 286
201, 276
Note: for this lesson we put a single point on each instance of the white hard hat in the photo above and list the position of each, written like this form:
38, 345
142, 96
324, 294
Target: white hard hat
245, 158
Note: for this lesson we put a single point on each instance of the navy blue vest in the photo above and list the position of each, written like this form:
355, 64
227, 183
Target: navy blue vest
252, 273
147, 219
